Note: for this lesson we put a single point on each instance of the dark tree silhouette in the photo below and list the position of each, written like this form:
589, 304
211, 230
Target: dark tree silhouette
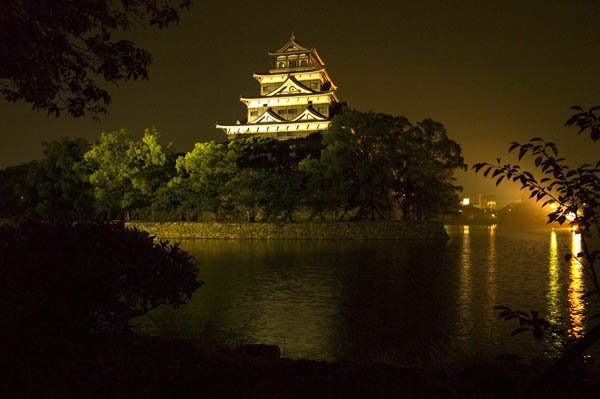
576, 193
85, 278
54, 54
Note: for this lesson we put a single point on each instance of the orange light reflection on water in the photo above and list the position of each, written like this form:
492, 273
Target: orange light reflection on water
491, 263
576, 289
553, 280
464, 294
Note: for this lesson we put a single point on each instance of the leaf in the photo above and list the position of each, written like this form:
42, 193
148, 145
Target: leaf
522, 152
478, 166
568, 257
499, 180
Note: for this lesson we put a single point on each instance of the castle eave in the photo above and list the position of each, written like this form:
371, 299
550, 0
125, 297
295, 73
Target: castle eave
293, 99
275, 127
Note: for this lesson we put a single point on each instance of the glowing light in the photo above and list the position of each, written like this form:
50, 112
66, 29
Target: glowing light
553, 206
466, 201
553, 280
576, 289
465, 294
571, 216
491, 272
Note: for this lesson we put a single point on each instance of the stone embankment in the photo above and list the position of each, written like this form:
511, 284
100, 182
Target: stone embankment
295, 231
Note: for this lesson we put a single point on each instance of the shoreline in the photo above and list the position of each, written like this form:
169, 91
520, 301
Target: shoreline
388, 230
157, 367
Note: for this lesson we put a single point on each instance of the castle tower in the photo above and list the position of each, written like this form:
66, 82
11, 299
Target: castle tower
296, 98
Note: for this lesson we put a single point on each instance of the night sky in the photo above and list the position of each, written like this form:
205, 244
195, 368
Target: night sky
493, 73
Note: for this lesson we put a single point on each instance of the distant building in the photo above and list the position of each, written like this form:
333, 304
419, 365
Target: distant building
487, 202
297, 97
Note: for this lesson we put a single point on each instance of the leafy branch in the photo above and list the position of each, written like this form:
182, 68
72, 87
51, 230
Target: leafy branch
574, 194
531, 321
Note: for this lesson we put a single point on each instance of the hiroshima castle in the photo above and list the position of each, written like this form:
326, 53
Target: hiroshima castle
297, 97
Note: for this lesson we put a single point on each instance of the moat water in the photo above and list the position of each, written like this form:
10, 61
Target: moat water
383, 300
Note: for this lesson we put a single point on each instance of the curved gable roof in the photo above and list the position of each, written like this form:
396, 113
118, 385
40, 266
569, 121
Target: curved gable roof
292, 46
310, 114
291, 86
268, 116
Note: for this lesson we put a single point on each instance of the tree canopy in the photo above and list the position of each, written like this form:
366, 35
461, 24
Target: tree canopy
56, 54
375, 162
82, 278
125, 173
57, 186
367, 166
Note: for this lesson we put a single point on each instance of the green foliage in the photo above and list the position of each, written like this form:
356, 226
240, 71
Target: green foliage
55, 54
201, 176
86, 278
366, 167
423, 166
108, 164
373, 162
56, 187
124, 173
267, 181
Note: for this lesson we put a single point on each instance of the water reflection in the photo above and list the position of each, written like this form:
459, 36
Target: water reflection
553, 280
465, 317
352, 300
491, 268
576, 289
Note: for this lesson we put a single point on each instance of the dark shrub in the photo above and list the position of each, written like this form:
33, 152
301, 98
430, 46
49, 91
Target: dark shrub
82, 279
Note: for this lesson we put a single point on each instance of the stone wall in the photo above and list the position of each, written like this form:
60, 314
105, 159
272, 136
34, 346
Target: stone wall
295, 231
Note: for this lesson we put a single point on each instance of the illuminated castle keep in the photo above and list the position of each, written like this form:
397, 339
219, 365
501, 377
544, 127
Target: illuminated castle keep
297, 97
